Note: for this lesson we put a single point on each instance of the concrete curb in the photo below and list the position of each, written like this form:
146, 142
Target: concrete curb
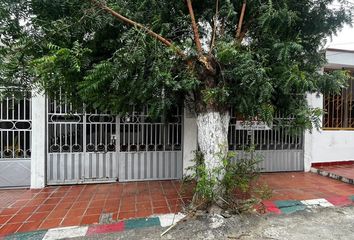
164, 220
291, 206
332, 175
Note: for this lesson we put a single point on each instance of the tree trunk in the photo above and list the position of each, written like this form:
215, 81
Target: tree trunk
213, 139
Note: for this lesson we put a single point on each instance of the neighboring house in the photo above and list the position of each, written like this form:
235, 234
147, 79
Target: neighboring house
42, 144
335, 141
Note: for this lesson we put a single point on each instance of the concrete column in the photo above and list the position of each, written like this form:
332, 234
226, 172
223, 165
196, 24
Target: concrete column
314, 101
189, 139
38, 157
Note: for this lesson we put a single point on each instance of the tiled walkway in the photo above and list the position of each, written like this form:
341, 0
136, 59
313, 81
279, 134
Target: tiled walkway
28, 210
346, 170
303, 186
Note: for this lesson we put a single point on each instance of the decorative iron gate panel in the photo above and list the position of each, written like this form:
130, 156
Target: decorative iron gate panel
15, 141
150, 149
280, 147
94, 147
150, 165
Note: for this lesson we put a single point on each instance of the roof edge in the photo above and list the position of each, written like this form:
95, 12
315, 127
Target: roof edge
339, 50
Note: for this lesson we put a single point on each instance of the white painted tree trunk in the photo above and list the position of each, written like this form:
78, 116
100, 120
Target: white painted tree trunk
213, 139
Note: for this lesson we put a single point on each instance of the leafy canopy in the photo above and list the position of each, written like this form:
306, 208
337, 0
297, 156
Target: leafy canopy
80, 48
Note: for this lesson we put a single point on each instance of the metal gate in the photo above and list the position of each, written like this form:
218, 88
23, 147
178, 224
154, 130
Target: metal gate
280, 147
15, 141
94, 147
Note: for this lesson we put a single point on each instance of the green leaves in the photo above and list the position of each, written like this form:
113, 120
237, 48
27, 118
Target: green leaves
92, 57
238, 177
277, 17
245, 78
61, 69
332, 82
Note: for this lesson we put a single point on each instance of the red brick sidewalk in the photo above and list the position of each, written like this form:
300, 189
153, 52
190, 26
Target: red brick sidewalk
304, 186
28, 210
345, 170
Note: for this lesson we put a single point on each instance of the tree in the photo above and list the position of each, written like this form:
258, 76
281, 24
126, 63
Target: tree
255, 56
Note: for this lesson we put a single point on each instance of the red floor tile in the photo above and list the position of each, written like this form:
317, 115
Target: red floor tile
52, 200
28, 209
143, 198
144, 213
19, 203
161, 210
80, 204
19, 218
29, 226
93, 211
50, 223
57, 214
71, 221
9, 211
75, 212
143, 205
4, 219
37, 217
9, 228
83, 204
302, 186
97, 203
158, 204
127, 206
64, 205
90, 219
346, 170
126, 215
45, 208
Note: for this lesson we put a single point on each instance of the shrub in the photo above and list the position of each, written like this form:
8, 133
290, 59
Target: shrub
231, 185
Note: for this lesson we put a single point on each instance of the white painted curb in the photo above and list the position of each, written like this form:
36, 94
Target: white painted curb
66, 232
314, 203
170, 219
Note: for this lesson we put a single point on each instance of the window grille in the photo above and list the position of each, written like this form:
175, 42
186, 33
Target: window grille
339, 109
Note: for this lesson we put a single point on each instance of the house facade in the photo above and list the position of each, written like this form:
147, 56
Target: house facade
44, 142
334, 142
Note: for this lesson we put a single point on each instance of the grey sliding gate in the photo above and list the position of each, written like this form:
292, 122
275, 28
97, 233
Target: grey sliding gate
94, 147
281, 147
15, 141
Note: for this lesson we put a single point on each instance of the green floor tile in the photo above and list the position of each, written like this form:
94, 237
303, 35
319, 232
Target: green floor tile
38, 235
292, 209
141, 223
288, 203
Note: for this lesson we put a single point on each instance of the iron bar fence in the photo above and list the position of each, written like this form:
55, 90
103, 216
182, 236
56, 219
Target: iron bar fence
15, 127
339, 112
279, 136
70, 130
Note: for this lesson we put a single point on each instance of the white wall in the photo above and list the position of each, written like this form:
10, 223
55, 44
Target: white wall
329, 145
339, 59
189, 139
38, 155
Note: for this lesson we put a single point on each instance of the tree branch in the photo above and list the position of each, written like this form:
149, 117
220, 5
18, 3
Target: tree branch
245, 28
139, 26
240, 22
195, 28
213, 34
